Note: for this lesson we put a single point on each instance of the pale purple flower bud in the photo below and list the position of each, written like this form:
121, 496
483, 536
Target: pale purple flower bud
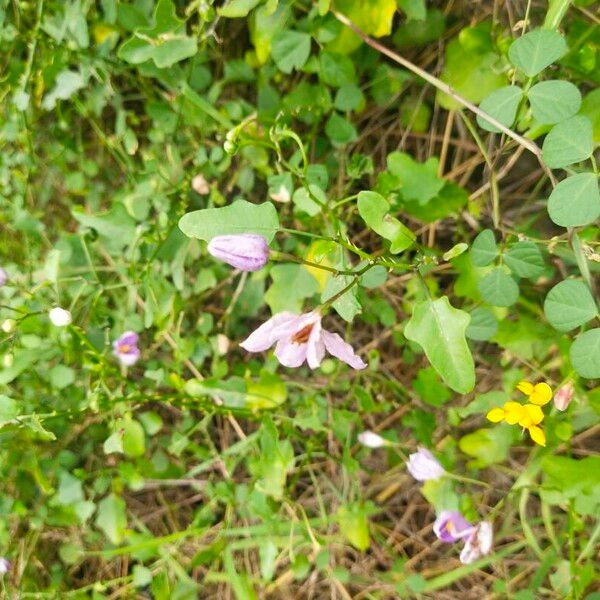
478, 544
422, 465
60, 317
126, 350
563, 396
370, 439
450, 526
3, 277
247, 251
4, 565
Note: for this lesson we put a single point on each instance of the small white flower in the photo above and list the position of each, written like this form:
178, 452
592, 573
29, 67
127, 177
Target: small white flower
281, 195
478, 544
4, 565
370, 439
60, 317
7, 360
422, 465
200, 185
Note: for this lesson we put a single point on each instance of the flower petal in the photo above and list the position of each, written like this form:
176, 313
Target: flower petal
541, 394
514, 412
268, 333
535, 413
290, 354
537, 435
478, 544
525, 387
337, 347
316, 347
448, 526
495, 415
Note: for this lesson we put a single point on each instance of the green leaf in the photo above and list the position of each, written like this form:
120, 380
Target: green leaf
430, 389
536, 50
374, 210
525, 260
374, 17
439, 329
67, 83
440, 494
569, 304
290, 50
502, 105
471, 67
575, 201
8, 410
487, 446
61, 376
498, 288
70, 489
116, 226
111, 518
267, 392
414, 9
418, 182
354, 525
238, 8
484, 248
134, 439
339, 130
239, 217
291, 285
165, 42
483, 325
113, 443
568, 142
347, 305
349, 97
554, 101
590, 107
585, 354
336, 70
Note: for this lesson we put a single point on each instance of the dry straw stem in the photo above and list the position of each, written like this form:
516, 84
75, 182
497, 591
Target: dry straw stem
444, 87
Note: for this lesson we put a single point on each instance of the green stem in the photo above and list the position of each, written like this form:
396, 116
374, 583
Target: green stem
467, 480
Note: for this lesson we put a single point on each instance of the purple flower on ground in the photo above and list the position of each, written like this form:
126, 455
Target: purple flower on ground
450, 526
247, 252
3, 277
422, 465
478, 544
126, 350
300, 338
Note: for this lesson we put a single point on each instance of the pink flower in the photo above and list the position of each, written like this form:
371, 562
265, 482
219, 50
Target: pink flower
300, 338
422, 465
478, 544
563, 396
246, 251
126, 350
450, 526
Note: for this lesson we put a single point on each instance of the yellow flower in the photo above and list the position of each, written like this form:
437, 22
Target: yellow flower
528, 416
540, 393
